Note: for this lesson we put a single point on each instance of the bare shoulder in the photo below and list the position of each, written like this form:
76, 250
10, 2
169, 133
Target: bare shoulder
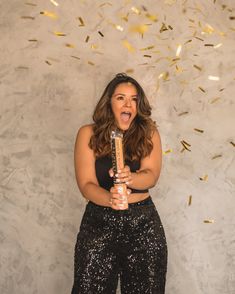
156, 135
85, 132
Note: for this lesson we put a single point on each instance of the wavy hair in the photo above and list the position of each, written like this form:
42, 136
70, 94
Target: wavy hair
137, 141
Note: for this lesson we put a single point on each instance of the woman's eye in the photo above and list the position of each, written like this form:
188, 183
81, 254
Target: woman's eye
135, 99
120, 98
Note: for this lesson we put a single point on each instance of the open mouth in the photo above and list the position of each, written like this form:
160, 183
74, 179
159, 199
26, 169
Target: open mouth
125, 116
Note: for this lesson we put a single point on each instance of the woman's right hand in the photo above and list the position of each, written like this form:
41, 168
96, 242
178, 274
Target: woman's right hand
118, 201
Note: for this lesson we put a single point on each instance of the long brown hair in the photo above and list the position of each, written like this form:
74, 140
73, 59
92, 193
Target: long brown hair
137, 139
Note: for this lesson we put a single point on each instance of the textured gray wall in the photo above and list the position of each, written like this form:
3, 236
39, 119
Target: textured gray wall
47, 93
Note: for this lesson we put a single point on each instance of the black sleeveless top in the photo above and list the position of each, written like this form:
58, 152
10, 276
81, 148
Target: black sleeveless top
102, 167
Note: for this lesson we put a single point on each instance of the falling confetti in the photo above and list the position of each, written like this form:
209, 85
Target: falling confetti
54, 2
164, 75
139, 29
205, 178
87, 39
216, 156
198, 130
218, 45
213, 78
163, 28
128, 46
167, 151
200, 88
209, 221
152, 17
101, 33
147, 48
82, 24
69, 45
215, 100
189, 200
185, 145
59, 34
135, 10
197, 67
28, 17
232, 143
178, 51
49, 14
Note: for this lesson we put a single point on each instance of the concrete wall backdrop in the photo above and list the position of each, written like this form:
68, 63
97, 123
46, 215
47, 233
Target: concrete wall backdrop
56, 57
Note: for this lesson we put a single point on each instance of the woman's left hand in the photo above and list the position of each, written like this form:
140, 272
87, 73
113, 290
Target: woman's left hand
123, 175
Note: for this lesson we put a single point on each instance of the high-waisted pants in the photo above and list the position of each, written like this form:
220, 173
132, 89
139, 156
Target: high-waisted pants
129, 244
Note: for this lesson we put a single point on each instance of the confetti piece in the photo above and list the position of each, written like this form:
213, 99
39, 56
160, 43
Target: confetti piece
218, 45
198, 130
28, 17
163, 28
31, 4
82, 24
197, 67
167, 151
232, 17
231, 142
215, 100
104, 4
139, 29
185, 145
87, 39
47, 62
22, 67
94, 46
146, 55
120, 28
164, 75
152, 17
75, 57
54, 2
189, 41
130, 70
200, 39
135, 10
205, 178
213, 78
221, 89
70, 45
59, 34
183, 113
216, 156
91, 63
209, 221
128, 46
179, 48
101, 33
189, 200
200, 88
32, 40
125, 17
209, 45
49, 14
208, 29
147, 48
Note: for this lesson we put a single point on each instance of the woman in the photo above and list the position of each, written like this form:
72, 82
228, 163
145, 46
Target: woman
113, 241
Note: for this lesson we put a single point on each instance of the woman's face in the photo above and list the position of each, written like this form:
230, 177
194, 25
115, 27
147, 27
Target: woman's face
124, 105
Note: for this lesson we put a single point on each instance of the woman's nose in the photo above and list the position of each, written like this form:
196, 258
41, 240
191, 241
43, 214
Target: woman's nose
128, 102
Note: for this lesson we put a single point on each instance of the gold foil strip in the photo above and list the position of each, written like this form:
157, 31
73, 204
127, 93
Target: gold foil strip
47, 62
151, 17
69, 45
218, 45
32, 40
197, 67
59, 34
82, 24
205, 178
147, 48
216, 156
209, 221
163, 28
139, 29
213, 78
146, 55
178, 51
167, 151
106, 3
183, 113
164, 75
233, 144
119, 28
30, 4
200, 88
75, 57
198, 130
54, 2
90, 62
129, 47
28, 17
129, 70
209, 45
214, 100
49, 14
185, 145
87, 39
135, 10
189, 200
101, 33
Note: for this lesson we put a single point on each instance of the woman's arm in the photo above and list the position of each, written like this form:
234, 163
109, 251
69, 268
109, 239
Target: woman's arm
84, 160
147, 176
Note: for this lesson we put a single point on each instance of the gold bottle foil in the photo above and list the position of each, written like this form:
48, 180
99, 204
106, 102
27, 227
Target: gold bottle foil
118, 163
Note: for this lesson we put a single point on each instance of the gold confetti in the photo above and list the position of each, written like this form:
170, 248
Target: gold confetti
87, 39
185, 145
120, 28
209, 45
101, 33
200, 88
54, 2
69, 45
146, 55
22, 67
198, 130
82, 24
152, 17
94, 46
215, 100
167, 151
164, 75
59, 34
209, 221
31, 4
128, 46
49, 14
135, 10
221, 89
104, 4
75, 57
189, 200
32, 40
183, 113
147, 48
216, 156
218, 45
179, 48
208, 29
205, 178
129, 70
231, 142
189, 41
139, 29
47, 62
125, 17
28, 17
91, 63
163, 28
197, 67
213, 78
199, 38
232, 17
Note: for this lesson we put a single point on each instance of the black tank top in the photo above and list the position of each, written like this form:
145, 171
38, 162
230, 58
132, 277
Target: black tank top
102, 167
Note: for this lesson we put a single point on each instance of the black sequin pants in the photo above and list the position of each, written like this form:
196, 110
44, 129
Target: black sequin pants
127, 243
